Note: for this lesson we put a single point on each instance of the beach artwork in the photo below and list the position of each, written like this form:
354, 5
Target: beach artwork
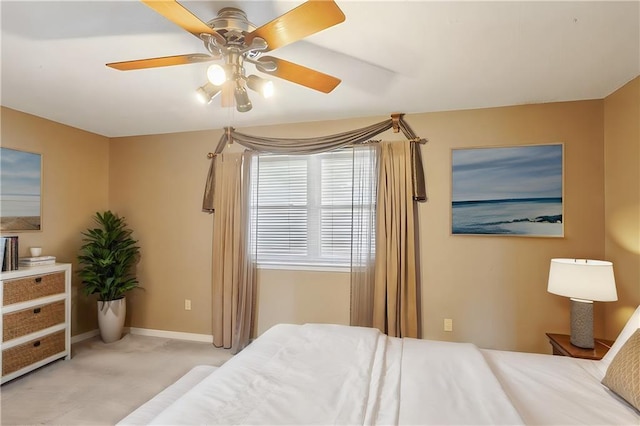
508, 191
20, 190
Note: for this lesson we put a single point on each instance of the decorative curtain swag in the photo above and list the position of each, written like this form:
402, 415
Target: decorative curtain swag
320, 144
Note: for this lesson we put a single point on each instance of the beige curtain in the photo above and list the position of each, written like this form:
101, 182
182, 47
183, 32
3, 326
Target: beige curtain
363, 226
384, 295
234, 269
395, 308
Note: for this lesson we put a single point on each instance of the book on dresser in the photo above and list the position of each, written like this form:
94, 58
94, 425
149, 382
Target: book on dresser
10, 253
37, 261
3, 243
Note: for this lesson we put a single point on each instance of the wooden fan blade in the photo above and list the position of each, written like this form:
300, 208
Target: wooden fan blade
164, 61
298, 23
302, 75
179, 15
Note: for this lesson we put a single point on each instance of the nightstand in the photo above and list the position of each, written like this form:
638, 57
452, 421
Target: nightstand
561, 345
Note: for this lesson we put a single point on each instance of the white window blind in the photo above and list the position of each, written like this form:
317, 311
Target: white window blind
302, 208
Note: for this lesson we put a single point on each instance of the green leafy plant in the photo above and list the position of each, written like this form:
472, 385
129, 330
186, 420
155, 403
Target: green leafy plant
107, 258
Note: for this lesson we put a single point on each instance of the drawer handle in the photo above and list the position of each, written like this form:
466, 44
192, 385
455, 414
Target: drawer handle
36, 344
38, 280
36, 311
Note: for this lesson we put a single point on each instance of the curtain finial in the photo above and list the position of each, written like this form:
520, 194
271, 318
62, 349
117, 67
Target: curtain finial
395, 121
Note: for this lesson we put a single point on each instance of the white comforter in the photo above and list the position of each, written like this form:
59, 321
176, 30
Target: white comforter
558, 390
329, 374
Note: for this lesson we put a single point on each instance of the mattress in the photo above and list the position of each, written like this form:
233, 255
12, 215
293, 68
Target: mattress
331, 374
146, 412
558, 390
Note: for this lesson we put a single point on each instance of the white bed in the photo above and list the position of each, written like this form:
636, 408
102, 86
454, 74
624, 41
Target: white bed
330, 374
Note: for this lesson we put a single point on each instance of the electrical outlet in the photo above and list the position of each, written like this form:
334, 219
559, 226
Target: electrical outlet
448, 324
187, 304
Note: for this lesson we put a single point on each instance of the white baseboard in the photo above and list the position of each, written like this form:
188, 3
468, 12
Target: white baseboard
178, 335
84, 336
194, 337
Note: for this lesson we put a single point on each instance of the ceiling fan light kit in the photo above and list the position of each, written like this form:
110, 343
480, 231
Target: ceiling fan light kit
207, 92
216, 74
243, 103
232, 38
260, 85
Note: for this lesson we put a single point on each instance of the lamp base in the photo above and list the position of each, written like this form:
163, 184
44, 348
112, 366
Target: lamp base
582, 324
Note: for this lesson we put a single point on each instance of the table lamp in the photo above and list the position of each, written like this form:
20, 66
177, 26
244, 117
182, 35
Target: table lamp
583, 281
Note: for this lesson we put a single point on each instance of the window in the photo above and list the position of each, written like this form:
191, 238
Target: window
302, 208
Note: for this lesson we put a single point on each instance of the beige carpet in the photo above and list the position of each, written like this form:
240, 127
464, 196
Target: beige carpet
102, 383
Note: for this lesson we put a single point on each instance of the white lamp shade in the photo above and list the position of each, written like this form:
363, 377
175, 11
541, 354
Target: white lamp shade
582, 279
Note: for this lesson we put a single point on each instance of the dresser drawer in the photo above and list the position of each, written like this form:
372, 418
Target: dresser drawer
33, 287
27, 321
13, 359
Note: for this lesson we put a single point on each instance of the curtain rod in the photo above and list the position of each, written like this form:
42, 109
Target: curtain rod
421, 141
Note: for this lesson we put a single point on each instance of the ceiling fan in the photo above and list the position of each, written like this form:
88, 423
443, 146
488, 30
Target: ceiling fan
232, 38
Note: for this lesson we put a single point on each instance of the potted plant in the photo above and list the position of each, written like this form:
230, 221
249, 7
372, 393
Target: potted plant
107, 259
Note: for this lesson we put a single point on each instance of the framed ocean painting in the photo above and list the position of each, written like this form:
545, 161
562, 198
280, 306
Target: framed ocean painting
20, 190
514, 190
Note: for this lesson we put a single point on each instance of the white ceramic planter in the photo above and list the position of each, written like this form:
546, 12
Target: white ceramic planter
111, 317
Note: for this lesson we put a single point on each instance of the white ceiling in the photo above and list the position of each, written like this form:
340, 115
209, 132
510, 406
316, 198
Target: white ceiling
392, 56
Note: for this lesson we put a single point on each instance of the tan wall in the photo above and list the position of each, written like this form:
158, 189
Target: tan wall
494, 288
622, 200
299, 297
75, 185
157, 184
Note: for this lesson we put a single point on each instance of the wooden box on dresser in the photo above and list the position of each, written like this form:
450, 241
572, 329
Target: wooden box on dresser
36, 318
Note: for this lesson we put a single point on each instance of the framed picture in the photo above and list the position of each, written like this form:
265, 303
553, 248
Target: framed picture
508, 191
20, 190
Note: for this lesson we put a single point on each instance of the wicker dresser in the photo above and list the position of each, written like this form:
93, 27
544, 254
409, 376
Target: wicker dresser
36, 318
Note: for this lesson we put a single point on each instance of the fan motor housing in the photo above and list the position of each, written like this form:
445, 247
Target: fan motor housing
232, 24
